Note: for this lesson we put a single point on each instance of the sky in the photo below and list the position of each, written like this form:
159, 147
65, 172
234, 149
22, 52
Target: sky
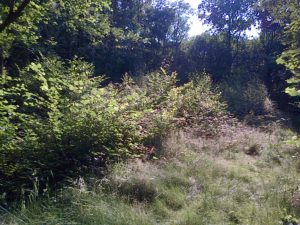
197, 27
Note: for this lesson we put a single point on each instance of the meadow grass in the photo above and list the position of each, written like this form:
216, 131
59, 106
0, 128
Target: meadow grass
190, 185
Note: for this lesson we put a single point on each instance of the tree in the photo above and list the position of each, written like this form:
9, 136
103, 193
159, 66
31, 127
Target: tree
231, 17
75, 28
285, 15
144, 33
15, 11
290, 58
205, 53
50, 26
18, 23
180, 27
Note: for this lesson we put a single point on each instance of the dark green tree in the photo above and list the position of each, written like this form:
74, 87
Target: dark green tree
230, 17
66, 28
280, 25
143, 35
18, 22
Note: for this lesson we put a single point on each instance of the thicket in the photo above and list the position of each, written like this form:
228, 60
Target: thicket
57, 120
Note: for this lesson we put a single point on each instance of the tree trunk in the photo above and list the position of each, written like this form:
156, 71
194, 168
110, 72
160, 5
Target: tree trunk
1, 62
230, 60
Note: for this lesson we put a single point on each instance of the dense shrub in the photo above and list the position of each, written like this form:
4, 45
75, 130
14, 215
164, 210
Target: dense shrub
32, 108
244, 96
57, 120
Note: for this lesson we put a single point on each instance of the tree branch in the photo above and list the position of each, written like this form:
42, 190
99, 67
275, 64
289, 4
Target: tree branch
13, 15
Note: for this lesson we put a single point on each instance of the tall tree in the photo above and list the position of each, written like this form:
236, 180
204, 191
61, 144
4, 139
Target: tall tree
282, 19
18, 19
286, 13
231, 17
15, 10
143, 34
75, 27
49, 26
290, 58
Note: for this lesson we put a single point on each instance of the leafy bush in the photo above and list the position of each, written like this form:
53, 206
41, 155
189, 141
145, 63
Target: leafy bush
57, 120
197, 98
244, 96
32, 108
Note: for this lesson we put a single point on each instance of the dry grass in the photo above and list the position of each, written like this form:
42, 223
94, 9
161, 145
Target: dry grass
235, 137
197, 181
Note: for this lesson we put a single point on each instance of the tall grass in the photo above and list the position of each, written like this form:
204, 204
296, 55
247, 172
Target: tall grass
192, 185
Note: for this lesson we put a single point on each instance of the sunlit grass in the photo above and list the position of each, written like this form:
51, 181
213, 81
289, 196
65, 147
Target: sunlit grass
189, 188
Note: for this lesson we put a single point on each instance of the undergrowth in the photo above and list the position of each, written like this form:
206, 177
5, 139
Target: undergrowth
58, 121
192, 183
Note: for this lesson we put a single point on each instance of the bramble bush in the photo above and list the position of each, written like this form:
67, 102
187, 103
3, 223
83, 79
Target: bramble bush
57, 120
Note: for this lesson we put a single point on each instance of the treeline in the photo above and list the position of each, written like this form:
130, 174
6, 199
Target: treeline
137, 37
118, 37
59, 115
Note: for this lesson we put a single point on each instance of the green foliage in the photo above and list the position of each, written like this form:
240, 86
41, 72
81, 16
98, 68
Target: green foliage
231, 18
33, 106
42, 26
194, 186
244, 96
24, 28
206, 53
143, 35
227, 16
287, 14
78, 19
198, 97
57, 119
290, 59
